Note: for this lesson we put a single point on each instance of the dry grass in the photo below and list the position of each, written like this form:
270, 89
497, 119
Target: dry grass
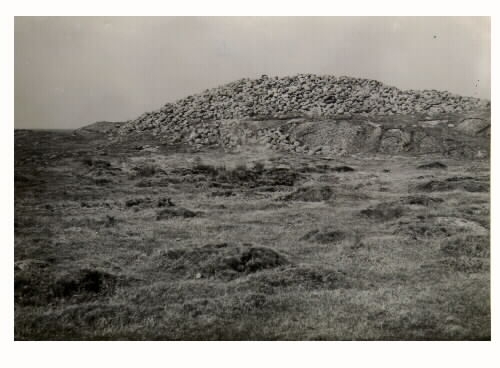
375, 259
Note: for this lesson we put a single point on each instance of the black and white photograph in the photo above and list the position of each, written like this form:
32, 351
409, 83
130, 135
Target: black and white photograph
252, 178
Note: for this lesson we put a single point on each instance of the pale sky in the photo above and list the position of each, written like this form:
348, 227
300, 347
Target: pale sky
73, 71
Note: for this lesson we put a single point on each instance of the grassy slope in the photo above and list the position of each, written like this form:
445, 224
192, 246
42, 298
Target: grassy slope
409, 272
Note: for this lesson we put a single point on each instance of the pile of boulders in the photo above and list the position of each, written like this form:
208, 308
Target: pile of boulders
221, 133
300, 95
231, 134
279, 140
316, 115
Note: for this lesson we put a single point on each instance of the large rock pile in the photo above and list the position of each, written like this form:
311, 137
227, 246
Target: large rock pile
319, 115
300, 95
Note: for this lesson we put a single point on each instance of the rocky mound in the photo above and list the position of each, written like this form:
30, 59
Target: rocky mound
298, 95
321, 115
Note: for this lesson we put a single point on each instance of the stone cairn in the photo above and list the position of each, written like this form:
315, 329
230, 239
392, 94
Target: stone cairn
211, 117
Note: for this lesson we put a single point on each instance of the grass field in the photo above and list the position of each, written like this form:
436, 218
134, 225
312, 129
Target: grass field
136, 241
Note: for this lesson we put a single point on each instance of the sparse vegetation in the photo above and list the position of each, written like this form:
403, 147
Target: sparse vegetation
258, 166
146, 170
310, 194
301, 248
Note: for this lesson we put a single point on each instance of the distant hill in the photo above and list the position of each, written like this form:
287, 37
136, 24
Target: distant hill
100, 127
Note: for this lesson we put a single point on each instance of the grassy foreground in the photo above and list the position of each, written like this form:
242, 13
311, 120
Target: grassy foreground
133, 241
